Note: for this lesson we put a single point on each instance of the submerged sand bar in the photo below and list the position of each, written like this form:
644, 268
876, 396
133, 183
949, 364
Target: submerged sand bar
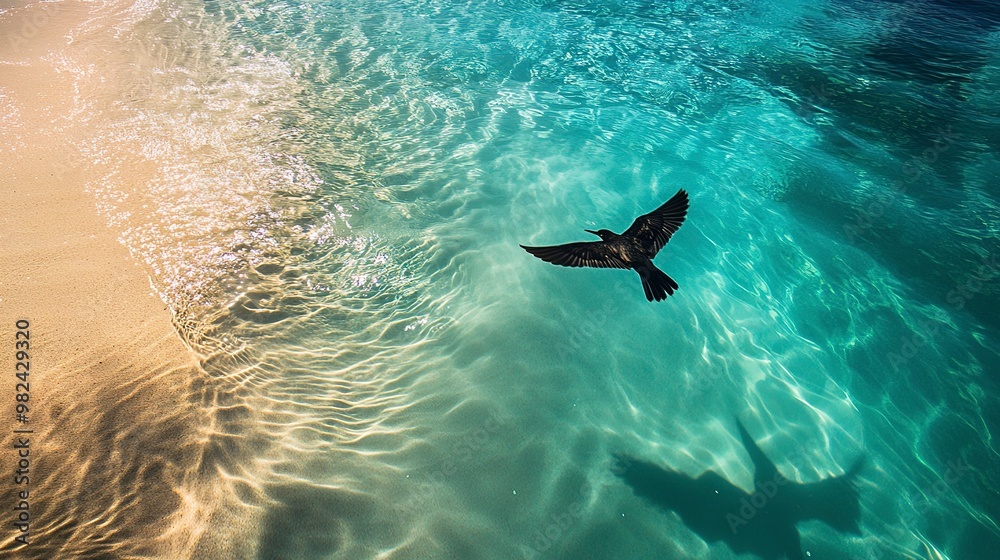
114, 392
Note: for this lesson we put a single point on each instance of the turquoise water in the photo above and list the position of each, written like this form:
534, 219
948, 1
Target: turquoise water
339, 190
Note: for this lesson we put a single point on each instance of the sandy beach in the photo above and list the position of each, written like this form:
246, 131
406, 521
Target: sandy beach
114, 393
263, 293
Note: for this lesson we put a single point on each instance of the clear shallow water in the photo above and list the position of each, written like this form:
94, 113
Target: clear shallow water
337, 195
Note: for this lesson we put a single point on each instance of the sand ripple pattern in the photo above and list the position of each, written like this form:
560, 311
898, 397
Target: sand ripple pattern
336, 199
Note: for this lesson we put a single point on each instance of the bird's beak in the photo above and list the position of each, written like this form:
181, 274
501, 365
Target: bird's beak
592, 231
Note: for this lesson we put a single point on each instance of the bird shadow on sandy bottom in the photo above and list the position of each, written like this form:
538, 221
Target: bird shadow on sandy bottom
762, 523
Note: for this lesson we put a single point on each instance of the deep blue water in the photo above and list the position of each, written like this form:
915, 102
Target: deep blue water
335, 220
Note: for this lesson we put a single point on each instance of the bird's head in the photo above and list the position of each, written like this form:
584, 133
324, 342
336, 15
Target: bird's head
604, 234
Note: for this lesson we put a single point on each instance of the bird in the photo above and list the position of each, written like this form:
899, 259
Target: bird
633, 249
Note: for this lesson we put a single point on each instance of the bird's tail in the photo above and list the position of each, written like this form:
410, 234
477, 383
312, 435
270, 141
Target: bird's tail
655, 282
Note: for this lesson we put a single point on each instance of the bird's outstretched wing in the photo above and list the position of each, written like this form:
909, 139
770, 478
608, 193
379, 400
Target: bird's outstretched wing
586, 253
653, 230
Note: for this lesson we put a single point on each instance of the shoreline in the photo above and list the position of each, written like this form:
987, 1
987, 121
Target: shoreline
115, 405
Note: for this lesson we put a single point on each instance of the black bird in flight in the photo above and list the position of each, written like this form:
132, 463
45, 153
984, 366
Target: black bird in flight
633, 249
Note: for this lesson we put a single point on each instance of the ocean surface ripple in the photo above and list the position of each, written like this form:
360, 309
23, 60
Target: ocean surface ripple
338, 189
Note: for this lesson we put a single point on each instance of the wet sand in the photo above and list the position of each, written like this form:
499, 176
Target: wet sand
115, 395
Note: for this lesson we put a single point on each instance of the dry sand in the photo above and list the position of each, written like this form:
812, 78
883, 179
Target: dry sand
116, 398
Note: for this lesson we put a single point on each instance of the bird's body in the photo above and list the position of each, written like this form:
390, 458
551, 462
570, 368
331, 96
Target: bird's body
634, 249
